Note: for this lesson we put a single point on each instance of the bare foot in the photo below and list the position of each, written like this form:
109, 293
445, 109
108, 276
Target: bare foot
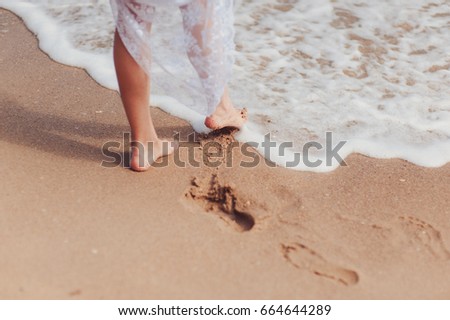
226, 117
142, 162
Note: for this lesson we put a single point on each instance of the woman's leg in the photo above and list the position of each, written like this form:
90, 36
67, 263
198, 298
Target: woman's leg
208, 50
134, 85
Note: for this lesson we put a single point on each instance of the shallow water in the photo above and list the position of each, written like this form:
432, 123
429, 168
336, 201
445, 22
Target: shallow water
375, 73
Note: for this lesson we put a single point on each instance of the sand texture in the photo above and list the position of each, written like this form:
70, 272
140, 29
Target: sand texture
72, 229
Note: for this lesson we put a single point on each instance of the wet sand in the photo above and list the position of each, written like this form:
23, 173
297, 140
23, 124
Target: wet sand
73, 229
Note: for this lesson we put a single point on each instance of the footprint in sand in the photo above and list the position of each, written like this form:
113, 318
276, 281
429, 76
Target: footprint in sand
302, 257
221, 200
426, 235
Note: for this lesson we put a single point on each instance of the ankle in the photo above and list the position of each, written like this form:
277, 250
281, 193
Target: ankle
144, 138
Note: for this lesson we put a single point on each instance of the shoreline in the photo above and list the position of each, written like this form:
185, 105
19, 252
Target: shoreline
376, 229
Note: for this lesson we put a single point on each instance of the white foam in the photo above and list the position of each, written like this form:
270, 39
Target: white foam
375, 73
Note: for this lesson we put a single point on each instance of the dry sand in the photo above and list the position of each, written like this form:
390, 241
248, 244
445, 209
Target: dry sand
72, 229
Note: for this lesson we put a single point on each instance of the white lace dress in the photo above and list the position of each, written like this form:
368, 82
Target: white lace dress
192, 52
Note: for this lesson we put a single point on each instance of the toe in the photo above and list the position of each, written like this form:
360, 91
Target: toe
244, 113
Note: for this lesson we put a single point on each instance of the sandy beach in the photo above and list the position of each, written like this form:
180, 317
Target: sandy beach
74, 229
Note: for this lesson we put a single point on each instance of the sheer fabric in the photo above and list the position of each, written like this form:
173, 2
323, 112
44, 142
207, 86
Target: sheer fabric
192, 53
